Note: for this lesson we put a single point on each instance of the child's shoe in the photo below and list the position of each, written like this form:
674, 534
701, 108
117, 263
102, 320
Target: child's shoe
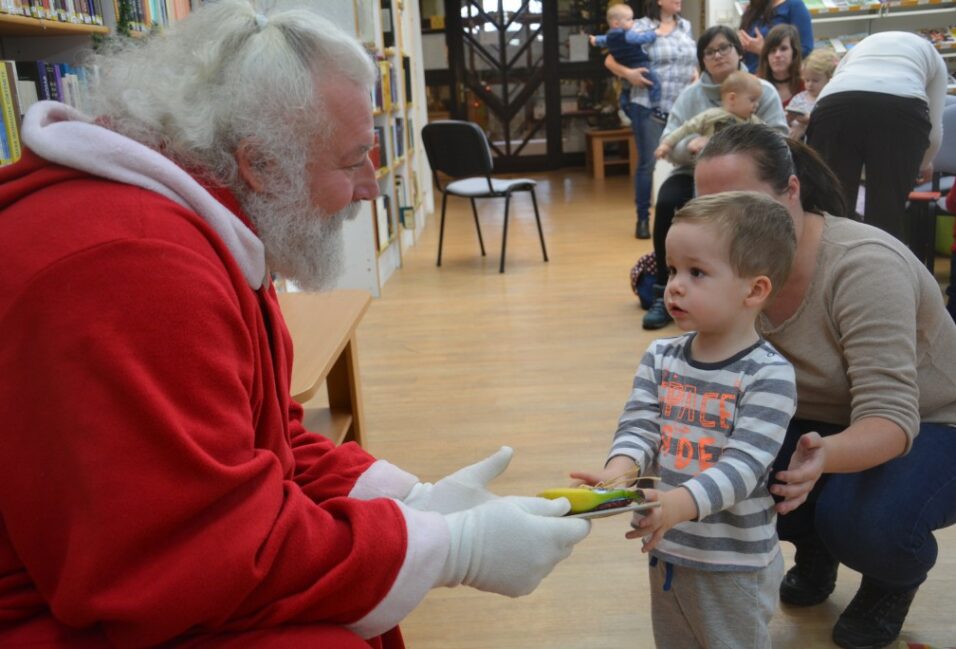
812, 577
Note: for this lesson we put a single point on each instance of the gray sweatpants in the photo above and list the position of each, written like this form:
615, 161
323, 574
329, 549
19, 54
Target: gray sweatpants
707, 610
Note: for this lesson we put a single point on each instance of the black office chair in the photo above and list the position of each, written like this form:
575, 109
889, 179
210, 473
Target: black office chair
460, 151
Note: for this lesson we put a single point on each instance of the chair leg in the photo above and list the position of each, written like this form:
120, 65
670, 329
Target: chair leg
537, 218
504, 234
474, 210
441, 229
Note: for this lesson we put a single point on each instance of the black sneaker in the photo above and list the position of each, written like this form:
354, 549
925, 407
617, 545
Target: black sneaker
874, 617
657, 316
812, 577
643, 230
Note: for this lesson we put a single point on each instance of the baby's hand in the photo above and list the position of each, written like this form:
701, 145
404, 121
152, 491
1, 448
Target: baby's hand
696, 145
592, 40
660, 31
662, 151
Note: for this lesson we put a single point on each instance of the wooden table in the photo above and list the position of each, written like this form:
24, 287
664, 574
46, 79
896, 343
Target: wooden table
594, 149
323, 327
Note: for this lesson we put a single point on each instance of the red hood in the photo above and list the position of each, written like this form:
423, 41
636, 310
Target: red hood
32, 173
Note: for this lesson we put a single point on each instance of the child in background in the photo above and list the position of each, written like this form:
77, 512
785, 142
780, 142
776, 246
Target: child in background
626, 45
740, 95
708, 413
816, 72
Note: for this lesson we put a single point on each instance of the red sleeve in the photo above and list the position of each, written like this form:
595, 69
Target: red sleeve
141, 490
951, 199
322, 469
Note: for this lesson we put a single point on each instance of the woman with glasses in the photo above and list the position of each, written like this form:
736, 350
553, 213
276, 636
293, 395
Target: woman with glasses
719, 53
672, 55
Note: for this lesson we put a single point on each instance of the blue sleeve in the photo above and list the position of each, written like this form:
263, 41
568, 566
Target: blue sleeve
642, 37
600, 41
800, 18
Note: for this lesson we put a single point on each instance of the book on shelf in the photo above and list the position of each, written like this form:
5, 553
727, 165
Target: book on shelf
407, 75
385, 83
388, 30
398, 137
383, 221
10, 110
382, 149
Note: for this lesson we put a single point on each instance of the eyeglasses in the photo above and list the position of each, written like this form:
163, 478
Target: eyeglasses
722, 50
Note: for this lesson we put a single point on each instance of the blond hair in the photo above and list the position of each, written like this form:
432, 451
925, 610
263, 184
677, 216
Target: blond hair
758, 229
740, 81
822, 62
619, 11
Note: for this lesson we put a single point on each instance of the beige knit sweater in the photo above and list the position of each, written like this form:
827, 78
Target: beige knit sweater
872, 337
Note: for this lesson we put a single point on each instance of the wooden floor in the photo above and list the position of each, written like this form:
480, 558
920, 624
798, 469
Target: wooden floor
459, 360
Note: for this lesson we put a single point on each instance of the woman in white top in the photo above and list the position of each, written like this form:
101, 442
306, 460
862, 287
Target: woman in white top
882, 110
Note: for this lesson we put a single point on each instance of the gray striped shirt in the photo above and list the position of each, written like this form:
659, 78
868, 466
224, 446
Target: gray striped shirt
715, 429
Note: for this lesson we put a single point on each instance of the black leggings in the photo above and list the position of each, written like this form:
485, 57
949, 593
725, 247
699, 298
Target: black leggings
674, 193
886, 134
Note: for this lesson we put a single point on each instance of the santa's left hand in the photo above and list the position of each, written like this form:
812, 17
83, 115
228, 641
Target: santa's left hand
463, 489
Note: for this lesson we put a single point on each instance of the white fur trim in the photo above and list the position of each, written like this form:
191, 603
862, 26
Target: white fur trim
428, 545
383, 480
65, 136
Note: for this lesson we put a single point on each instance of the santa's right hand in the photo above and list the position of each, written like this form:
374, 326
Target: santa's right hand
508, 546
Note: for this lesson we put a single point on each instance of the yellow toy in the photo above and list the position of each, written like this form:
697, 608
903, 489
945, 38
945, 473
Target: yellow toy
606, 498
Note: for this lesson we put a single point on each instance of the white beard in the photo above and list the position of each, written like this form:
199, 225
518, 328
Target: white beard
302, 242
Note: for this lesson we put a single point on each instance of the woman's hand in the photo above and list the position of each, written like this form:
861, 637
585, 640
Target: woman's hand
805, 468
752, 44
635, 76
925, 173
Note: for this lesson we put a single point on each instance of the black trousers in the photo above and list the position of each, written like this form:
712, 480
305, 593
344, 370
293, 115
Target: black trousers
673, 195
886, 134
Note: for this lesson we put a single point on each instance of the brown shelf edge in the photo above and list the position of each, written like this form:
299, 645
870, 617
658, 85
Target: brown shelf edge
24, 26
333, 424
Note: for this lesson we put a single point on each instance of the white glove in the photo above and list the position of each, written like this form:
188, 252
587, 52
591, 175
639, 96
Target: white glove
463, 489
508, 546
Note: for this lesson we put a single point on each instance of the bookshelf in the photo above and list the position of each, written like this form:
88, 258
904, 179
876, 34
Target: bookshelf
377, 239
44, 42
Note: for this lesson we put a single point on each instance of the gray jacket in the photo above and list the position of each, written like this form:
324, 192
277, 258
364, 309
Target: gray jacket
704, 94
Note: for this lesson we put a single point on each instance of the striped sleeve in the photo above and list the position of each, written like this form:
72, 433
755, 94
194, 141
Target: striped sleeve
766, 405
638, 433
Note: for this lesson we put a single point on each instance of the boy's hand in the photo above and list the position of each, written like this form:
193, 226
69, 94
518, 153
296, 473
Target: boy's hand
676, 507
617, 466
592, 40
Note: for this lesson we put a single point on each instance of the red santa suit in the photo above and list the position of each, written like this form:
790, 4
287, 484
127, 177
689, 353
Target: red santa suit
157, 482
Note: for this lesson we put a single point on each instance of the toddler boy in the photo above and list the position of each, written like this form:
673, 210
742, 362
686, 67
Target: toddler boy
707, 414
